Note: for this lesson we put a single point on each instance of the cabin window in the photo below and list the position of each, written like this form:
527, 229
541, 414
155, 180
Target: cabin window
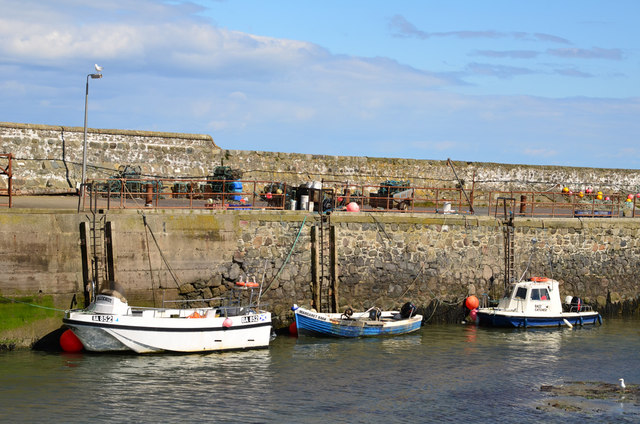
539, 294
521, 293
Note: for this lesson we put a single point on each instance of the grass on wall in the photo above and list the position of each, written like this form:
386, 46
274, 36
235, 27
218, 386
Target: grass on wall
22, 311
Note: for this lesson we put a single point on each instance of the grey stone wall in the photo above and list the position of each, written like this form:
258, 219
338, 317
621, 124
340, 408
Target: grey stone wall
49, 160
384, 259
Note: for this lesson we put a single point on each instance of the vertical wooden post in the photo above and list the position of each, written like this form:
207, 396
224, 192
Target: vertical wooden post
315, 269
333, 261
84, 251
108, 242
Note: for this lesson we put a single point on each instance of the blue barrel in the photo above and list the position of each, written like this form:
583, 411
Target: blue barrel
236, 187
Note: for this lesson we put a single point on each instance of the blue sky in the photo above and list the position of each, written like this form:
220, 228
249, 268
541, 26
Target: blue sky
541, 82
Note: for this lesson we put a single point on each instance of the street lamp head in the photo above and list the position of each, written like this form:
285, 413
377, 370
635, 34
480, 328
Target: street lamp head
95, 76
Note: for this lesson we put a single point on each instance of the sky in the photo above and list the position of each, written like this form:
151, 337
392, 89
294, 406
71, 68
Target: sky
538, 82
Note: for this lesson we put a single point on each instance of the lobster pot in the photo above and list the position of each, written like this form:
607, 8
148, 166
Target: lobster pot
304, 202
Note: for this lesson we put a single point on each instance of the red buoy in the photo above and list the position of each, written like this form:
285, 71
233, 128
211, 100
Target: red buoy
473, 315
293, 329
227, 323
353, 207
472, 302
69, 342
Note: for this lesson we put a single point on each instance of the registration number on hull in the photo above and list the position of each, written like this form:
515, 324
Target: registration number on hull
102, 318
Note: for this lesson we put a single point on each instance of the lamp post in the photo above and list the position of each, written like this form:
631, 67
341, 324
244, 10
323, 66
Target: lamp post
84, 144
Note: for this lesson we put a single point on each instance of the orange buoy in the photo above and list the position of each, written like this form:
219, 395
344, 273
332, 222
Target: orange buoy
69, 342
472, 302
293, 329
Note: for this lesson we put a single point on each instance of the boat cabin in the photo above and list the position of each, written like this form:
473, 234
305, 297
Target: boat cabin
538, 296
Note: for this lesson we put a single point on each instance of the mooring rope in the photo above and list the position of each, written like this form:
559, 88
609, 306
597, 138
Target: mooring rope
164, 259
33, 304
288, 256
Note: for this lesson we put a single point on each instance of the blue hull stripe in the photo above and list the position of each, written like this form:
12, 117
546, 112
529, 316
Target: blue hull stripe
492, 320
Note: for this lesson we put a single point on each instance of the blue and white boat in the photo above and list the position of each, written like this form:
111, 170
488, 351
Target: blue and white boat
536, 303
372, 322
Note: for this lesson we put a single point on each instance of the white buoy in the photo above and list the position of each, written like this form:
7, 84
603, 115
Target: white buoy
567, 322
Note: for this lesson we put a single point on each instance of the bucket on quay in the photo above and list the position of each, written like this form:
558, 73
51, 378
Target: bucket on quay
292, 205
310, 206
304, 202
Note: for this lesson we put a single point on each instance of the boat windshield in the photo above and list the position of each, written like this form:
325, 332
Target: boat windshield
539, 294
521, 293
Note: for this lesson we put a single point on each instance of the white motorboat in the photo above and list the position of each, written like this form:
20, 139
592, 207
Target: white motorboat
536, 303
110, 324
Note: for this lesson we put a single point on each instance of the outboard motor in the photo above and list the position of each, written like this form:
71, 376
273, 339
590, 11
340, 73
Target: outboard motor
374, 314
576, 304
408, 310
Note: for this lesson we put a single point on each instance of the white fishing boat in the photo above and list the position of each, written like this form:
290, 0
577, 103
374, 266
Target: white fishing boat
372, 322
110, 324
536, 303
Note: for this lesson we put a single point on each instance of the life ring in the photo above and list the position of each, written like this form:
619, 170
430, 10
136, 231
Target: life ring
251, 284
539, 279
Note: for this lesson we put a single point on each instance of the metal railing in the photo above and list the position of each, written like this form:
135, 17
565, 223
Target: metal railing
166, 193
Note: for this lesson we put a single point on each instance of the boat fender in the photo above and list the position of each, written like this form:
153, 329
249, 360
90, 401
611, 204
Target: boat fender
408, 310
227, 323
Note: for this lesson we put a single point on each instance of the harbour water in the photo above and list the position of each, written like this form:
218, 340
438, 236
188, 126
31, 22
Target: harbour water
443, 373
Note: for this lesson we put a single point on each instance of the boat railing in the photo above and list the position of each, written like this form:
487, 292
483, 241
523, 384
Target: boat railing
226, 304
581, 308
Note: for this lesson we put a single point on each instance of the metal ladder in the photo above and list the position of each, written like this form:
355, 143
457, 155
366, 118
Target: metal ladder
96, 239
325, 278
508, 231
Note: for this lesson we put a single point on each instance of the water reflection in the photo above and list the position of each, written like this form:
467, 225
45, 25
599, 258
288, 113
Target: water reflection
442, 373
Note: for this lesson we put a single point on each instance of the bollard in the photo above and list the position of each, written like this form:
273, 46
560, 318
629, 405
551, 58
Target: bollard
149, 196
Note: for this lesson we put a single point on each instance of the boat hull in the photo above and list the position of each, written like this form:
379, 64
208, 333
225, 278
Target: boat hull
491, 318
331, 325
111, 333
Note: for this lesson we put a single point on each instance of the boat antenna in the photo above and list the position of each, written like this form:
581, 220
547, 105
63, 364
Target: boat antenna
533, 249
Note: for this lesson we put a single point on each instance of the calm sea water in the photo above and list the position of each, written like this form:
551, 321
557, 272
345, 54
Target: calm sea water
448, 373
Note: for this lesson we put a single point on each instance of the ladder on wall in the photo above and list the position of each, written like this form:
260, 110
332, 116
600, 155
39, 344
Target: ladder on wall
324, 269
96, 240
508, 231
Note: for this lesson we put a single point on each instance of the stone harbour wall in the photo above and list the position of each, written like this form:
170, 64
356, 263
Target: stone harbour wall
49, 160
384, 259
